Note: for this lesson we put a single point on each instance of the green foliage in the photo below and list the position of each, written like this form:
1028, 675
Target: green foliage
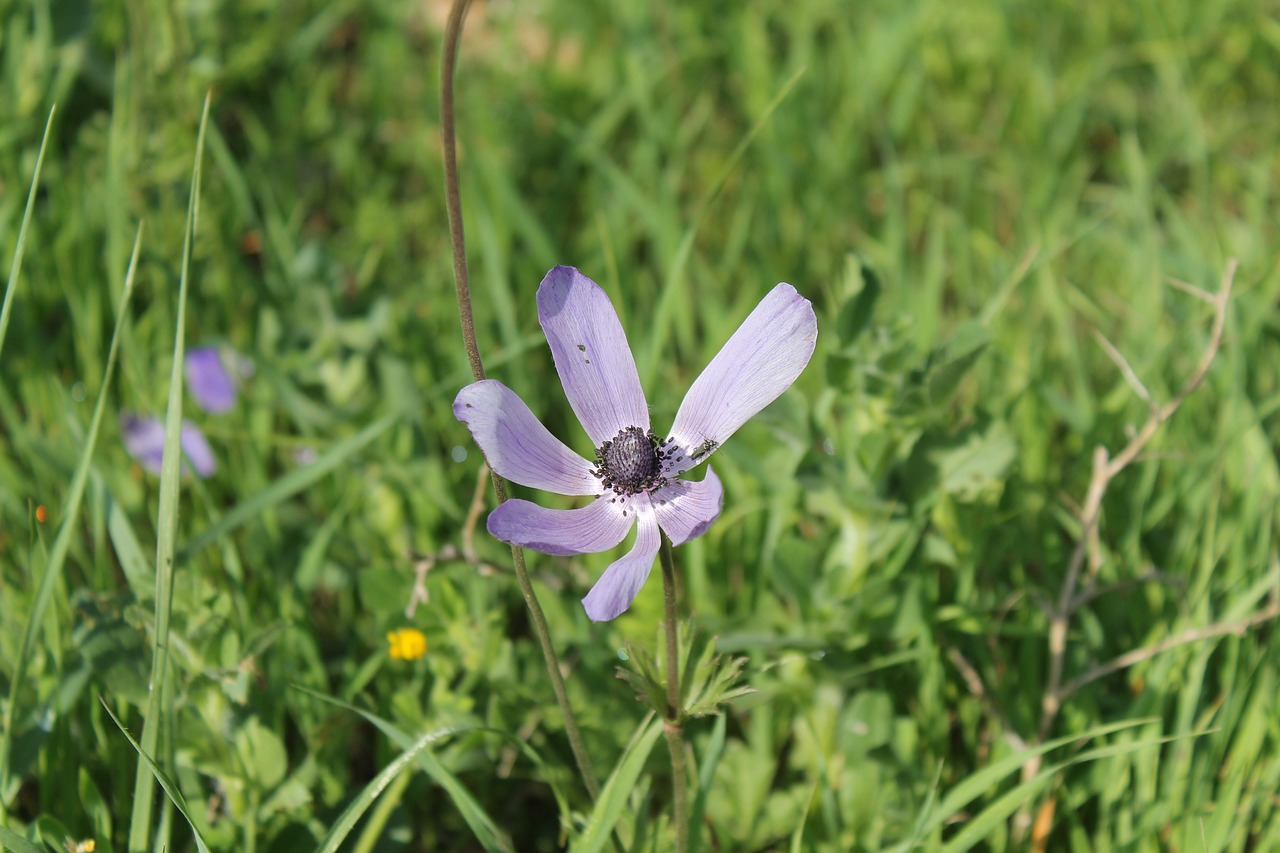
971, 193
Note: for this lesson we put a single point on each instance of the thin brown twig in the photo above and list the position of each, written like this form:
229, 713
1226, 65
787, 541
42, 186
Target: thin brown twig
1105, 469
1191, 635
976, 686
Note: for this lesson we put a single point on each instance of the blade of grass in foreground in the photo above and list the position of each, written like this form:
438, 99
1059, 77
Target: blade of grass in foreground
483, 827
70, 522
12, 286
175, 796
613, 798
166, 527
347, 820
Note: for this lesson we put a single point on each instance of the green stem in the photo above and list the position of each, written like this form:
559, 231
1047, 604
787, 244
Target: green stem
674, 727
453, 204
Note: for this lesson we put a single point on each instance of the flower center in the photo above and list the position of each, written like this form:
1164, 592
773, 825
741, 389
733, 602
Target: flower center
631, 461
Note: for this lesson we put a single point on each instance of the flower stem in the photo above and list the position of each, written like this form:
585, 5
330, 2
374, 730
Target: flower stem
453, 204
674, 726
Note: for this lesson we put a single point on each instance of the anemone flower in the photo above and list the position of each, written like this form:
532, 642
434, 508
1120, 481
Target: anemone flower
144, 440
212, 385
635, 476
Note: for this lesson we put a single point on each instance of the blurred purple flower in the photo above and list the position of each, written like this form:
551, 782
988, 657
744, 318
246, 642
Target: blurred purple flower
634, 477
144, 440
212, 385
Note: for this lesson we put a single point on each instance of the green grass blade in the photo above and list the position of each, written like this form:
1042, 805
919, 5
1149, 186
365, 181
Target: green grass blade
70, 522
12, 286
175, 796
482, 826
675, 274
167, 523
291, 484
983, 781
347, 820
706, 776
613, 799
982, 825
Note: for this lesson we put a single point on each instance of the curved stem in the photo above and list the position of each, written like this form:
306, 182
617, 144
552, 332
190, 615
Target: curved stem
453, 204
675, 712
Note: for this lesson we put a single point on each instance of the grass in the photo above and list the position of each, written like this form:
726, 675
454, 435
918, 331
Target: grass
971, 194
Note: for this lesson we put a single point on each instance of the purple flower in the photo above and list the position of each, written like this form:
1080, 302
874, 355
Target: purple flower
635, 475
212, 385
144, 440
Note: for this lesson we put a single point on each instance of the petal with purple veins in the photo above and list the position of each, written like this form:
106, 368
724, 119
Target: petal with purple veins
596, 527
591, 354
686, 508
517, 445
621, 582
212, 385
763, 357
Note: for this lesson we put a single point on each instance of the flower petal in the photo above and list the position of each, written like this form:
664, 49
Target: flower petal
760, 361
596, 527
591, 354
212, 386
517, 445
144, 441
686, 508
621, 582
196, 448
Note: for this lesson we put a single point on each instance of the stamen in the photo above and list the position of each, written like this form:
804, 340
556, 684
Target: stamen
632, 462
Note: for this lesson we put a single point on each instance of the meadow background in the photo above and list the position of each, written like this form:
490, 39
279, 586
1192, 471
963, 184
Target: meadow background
980, 198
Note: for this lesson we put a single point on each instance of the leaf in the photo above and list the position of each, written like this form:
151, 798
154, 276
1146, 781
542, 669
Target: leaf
855, 314
485, 830
175, 796
607, 810
965, 465
70, 524
347, 820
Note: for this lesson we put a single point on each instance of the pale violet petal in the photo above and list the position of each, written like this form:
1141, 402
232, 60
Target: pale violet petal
763, 357
196, 448
212, 386
517, 445
686, 508
596, 527
621, 582
144, 440
591, 354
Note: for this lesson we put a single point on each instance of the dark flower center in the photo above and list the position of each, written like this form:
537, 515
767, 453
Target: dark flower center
631, 461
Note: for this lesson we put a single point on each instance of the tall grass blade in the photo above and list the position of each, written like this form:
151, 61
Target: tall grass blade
485, 830
613, 798
70, 522
347, 820
167, 525
18, 249
175, 796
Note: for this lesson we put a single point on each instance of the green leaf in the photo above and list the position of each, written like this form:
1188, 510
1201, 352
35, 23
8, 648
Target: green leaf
175, 796
855, 314
15, 843
167, 522
70, 524
485, 830
353, 812
613, 798
11, 287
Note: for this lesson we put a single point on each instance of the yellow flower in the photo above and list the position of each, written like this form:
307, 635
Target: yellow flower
407, 643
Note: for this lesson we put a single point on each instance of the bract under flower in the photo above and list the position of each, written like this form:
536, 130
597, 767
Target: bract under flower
635, 475
144, 440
